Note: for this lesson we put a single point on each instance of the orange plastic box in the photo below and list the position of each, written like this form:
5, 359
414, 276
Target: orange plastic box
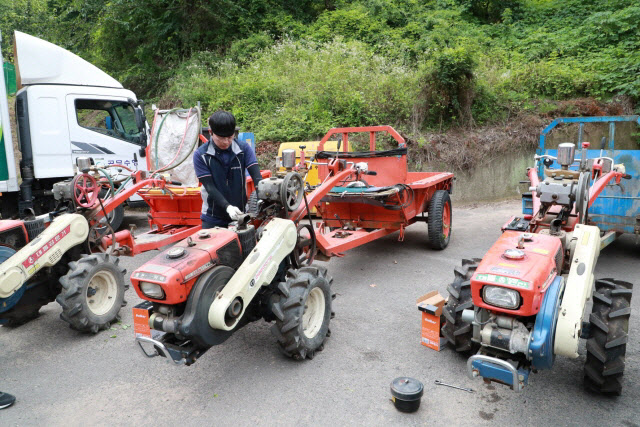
430, 305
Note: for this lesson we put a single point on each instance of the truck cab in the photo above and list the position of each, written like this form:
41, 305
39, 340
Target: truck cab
65, 108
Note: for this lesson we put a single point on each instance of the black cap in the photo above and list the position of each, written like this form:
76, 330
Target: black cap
222, 123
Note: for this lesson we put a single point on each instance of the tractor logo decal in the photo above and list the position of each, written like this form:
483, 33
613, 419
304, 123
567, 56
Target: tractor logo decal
505, 271
198, 271
501, 280
33, 259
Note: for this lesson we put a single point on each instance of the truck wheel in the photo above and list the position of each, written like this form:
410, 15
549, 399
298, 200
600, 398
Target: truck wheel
457, 332
608, 331
439, 220
92, 292
303, 312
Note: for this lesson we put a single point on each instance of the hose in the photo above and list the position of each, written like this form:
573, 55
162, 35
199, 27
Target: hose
106, 175
171, 164
184, 135
159, 129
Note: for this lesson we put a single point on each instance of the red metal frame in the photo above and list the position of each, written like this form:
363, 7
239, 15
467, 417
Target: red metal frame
372, 136
369, 221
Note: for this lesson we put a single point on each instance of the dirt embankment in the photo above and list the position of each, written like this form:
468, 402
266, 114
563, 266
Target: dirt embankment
465, 148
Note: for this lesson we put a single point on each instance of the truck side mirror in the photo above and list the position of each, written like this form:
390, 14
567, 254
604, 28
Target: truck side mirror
140, 120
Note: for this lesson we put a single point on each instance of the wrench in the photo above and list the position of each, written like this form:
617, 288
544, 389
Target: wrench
438, 382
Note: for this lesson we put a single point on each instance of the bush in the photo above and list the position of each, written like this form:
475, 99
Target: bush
449, 87
552, 79
298, 90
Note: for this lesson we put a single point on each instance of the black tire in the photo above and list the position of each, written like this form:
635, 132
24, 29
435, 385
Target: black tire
291, 306
28, 307
439, 231
116, 217
457, 332
99, 270
18, 317
608, 334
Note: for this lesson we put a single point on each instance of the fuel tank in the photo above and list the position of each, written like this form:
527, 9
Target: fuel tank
523, 263
176, 269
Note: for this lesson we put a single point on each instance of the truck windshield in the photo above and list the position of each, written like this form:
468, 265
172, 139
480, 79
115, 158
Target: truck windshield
113, 118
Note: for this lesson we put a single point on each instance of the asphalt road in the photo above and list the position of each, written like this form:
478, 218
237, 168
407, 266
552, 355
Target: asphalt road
61, 377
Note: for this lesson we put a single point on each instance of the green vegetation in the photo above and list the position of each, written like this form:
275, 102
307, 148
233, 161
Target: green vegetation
291, 69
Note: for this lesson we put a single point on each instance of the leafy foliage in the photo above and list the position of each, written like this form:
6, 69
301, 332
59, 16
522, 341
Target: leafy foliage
290, 69
294, 91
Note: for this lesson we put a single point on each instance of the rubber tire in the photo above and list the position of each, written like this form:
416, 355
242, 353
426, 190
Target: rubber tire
21, 313
457, 332
437, 204
18, 318
289, 308
75, 310
608, 334
117, 215
117, 218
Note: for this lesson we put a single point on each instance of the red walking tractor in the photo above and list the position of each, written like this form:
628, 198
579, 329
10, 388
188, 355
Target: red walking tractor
215, 281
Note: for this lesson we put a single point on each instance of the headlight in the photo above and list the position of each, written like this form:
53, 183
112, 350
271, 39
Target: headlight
501, 297
152, 290
143, 275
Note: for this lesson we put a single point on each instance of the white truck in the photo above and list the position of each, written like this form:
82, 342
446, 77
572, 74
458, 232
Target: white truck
65, 108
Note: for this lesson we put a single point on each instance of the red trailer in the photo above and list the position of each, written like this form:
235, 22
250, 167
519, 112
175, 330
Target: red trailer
365, 195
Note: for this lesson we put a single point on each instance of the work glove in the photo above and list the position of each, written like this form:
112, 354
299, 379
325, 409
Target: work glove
234, 212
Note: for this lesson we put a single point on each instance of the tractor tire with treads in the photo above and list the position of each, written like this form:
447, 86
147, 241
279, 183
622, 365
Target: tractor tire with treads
457, 332
92, 292
303, 312
608, 333
439, 220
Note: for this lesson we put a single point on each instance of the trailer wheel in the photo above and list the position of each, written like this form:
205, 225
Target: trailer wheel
92, 292
303, 312
608, 332
457, 332
439, 220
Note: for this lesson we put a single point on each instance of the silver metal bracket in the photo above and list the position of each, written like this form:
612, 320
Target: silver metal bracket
159, 349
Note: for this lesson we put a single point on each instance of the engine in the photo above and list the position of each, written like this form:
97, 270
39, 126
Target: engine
516, 290
515, 273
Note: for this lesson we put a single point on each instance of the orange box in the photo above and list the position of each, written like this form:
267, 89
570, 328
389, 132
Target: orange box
430, 305
141, 319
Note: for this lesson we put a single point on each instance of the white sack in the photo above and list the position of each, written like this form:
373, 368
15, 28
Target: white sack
169, 139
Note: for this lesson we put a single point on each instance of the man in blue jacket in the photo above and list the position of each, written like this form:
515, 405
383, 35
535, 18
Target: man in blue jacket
221, 166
